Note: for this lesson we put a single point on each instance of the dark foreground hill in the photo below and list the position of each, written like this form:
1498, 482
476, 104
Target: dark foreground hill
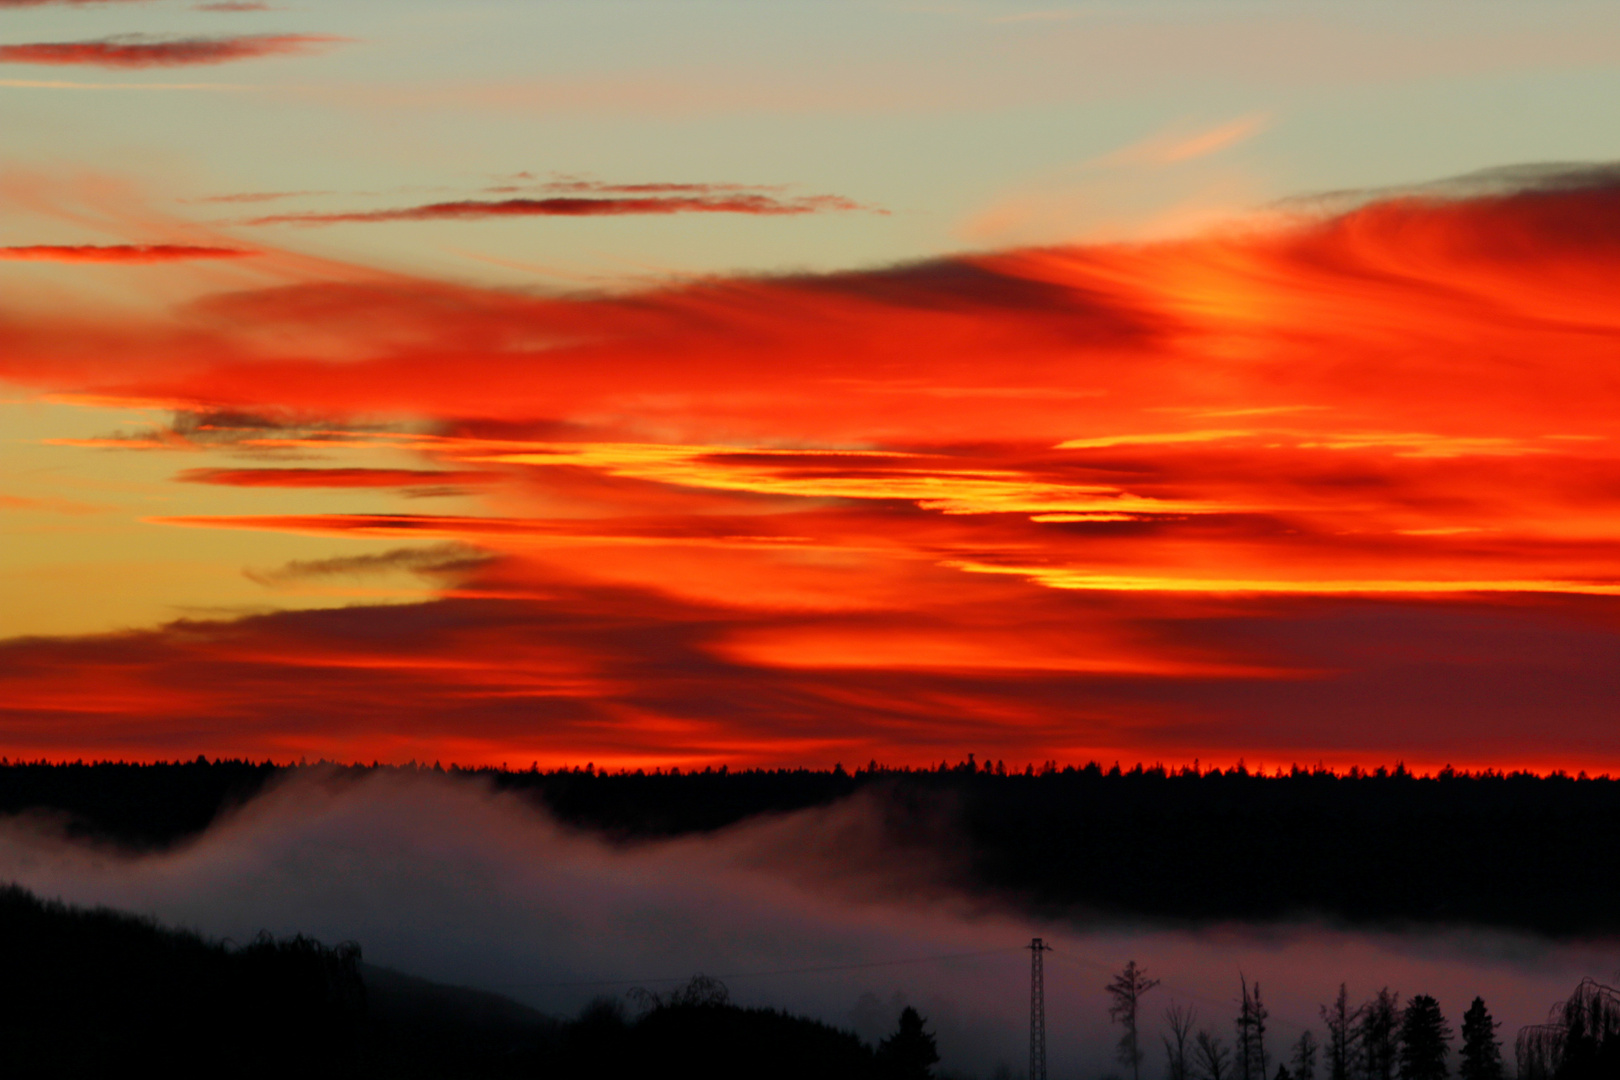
101, 993
1516, 851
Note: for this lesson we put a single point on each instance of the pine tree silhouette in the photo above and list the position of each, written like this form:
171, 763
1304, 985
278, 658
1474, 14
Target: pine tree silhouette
1481, 1056
1304, 1060
910, 1053
1424, 1034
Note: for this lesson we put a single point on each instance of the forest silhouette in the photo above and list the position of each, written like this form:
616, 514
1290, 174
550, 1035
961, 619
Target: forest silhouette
89, 992
1379, 1039
1384, 847
96, 992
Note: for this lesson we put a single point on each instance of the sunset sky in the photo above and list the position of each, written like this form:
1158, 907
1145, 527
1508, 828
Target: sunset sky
697, 383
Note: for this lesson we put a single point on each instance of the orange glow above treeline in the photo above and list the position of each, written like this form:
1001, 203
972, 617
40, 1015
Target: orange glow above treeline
1342, 489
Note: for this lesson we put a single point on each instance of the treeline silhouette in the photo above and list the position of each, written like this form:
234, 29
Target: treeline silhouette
1379, 1039
99, 992
1510, 850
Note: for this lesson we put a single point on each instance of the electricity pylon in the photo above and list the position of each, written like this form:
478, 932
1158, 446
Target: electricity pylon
1037, 1010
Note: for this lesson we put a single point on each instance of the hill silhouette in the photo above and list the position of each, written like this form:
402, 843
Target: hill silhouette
89, 992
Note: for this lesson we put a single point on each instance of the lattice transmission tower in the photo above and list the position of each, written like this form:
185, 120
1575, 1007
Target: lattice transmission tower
1037, 1010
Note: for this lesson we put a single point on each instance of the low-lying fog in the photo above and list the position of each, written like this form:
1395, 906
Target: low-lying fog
439, 877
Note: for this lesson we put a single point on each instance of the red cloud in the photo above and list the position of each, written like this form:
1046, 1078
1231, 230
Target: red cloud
117, 253
1345, 490
570, 673
139, 51
568, 206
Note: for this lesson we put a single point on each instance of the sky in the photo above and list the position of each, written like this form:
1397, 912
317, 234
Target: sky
701, 383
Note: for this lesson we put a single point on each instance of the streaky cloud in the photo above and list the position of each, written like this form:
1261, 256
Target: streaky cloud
148, 51
59, 3
334, 477
1527, 178
573, 206
256, 196
118, 253
437, 560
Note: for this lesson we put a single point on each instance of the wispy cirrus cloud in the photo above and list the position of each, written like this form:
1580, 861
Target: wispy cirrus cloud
586, 185
118, 253
149, 51
256, 196
577, 206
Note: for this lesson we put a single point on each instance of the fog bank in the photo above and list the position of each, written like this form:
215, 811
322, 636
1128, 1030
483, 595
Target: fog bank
814, 912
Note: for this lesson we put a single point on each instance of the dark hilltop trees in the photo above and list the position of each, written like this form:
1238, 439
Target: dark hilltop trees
87, 993
101, 993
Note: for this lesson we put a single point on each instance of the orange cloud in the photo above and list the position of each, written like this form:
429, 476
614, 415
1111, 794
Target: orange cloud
1340, 488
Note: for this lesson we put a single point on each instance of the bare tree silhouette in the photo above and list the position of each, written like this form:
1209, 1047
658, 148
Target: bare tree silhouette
1344, 1034
1214, 1060
1580, 1041
1126, 990
1178, 1045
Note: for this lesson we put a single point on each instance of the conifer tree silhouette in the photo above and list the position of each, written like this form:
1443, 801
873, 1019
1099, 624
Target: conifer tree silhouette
910, 1053
1252, 1063
1424, 1034
1304, 1059
1481, 1055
